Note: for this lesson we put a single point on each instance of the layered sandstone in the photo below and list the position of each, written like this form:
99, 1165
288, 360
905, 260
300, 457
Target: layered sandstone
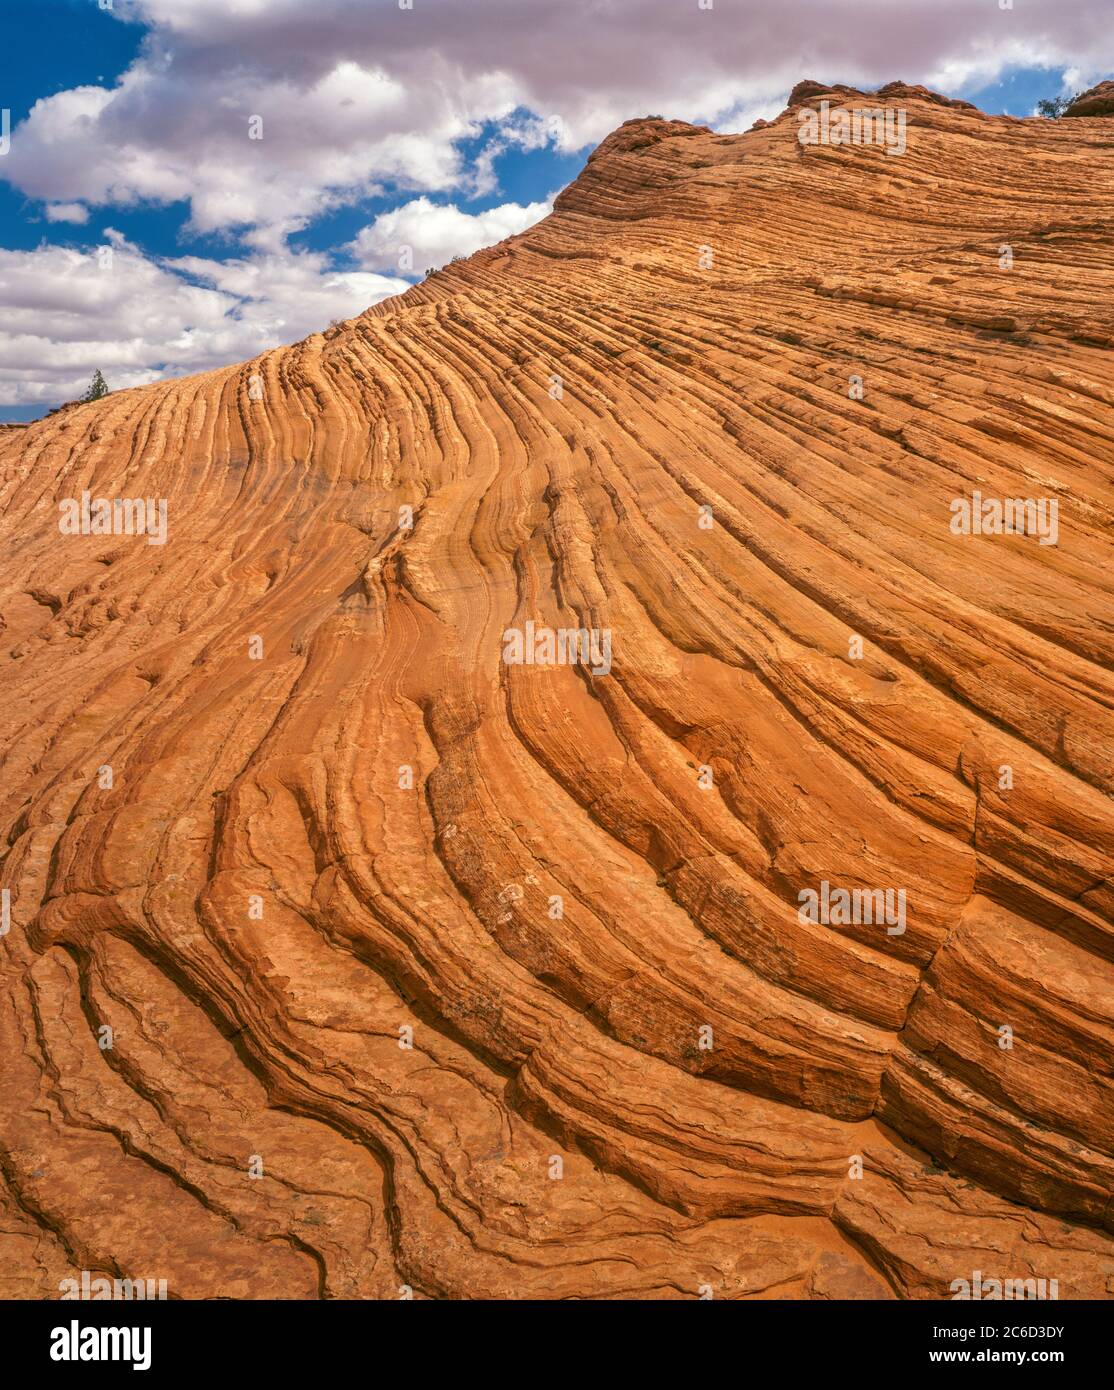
718, 406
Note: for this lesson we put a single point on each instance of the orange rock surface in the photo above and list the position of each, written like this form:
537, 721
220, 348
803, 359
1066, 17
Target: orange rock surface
543, 1017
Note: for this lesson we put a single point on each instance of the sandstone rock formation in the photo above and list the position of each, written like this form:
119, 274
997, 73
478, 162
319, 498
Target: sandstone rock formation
1096, 101
544, 1017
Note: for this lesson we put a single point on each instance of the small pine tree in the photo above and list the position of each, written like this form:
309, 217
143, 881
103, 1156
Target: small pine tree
98, 387
1055, 107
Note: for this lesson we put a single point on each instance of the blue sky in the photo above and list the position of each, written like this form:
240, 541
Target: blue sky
213, 267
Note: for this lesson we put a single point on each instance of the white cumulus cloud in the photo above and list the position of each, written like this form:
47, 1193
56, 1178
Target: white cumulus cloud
66, 212
137, 318
434, 233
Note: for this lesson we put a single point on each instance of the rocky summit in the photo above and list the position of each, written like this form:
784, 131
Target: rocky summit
592, 779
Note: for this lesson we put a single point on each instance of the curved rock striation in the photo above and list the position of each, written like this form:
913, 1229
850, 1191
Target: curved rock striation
574, 806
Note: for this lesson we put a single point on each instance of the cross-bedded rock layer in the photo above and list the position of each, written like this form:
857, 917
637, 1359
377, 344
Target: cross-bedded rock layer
639, 417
